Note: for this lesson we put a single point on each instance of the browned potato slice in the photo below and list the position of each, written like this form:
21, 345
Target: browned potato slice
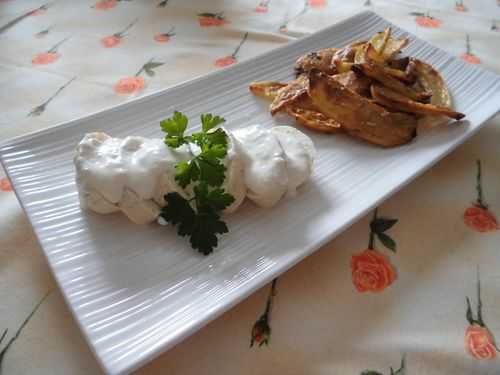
358, 83
313, 120
320, 60
388, 97
393, 47
266, 89
289, 93
428, 78
379, 74
359, 116
399, 74
379, 40
342, 66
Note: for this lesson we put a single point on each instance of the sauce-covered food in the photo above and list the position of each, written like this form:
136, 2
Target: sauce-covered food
134, 174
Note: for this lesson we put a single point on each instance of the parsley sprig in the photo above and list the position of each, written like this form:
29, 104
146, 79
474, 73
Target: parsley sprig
199, 217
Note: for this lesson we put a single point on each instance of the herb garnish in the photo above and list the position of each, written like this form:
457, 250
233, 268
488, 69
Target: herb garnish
199, 217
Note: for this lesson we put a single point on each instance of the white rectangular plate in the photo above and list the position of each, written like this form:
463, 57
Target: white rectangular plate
138, 290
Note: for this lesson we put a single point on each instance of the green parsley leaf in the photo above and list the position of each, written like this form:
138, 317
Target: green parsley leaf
219, 199
177, 210
211, 171
213, 152
205, 230
217, 137
175, 128
208, 121
185, 172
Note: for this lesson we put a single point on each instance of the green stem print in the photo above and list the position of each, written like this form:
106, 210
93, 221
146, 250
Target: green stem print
38, 110
400, 371
6, 348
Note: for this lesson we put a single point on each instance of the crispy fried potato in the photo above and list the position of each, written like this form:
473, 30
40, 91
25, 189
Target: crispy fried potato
320, 60
313, 120
357, 115
379, 40
358, 83
266, 89
289, 93
429, 79
342, 66
388, 97
393, 47
379, 74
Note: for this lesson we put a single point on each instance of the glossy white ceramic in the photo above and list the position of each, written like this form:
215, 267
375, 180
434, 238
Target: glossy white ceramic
138, 290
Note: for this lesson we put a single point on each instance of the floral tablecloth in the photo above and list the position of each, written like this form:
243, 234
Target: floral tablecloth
431, 305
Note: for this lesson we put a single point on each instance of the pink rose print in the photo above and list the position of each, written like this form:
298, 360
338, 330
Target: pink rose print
105, 4
316, 3
39, 11
460, 7
261, 330
426, 20
212, 19
48, 57
165, 37
129, 85
468, 56
231, 59
115, 39
478, 217
479, 341
372, 271
263, 6
5, 185
135, 84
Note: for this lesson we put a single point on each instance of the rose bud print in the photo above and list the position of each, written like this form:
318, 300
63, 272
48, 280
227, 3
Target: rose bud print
231, 59
261, 330
372, 271
283, 28
48, 57
316, 3
479, 341
426, 20
478, 217
165, 37
135, 84
263, 6
212, 19
400, 371
115, 39
460, 7
105, 4
39, 11
468, 56
5, 185
38, 110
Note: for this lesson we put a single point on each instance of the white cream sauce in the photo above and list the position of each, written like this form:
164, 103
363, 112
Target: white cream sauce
133, 174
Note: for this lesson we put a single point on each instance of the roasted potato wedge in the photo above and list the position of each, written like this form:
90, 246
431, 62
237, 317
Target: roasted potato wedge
379, 40
357, 115
358, 83
313, 120
380, 74
289, 93
388, 97
320, 60
392, 47
266, 89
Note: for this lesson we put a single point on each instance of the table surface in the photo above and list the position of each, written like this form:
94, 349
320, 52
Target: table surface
340, 311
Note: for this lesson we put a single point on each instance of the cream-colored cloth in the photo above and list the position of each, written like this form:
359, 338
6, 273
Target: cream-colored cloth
321, 324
